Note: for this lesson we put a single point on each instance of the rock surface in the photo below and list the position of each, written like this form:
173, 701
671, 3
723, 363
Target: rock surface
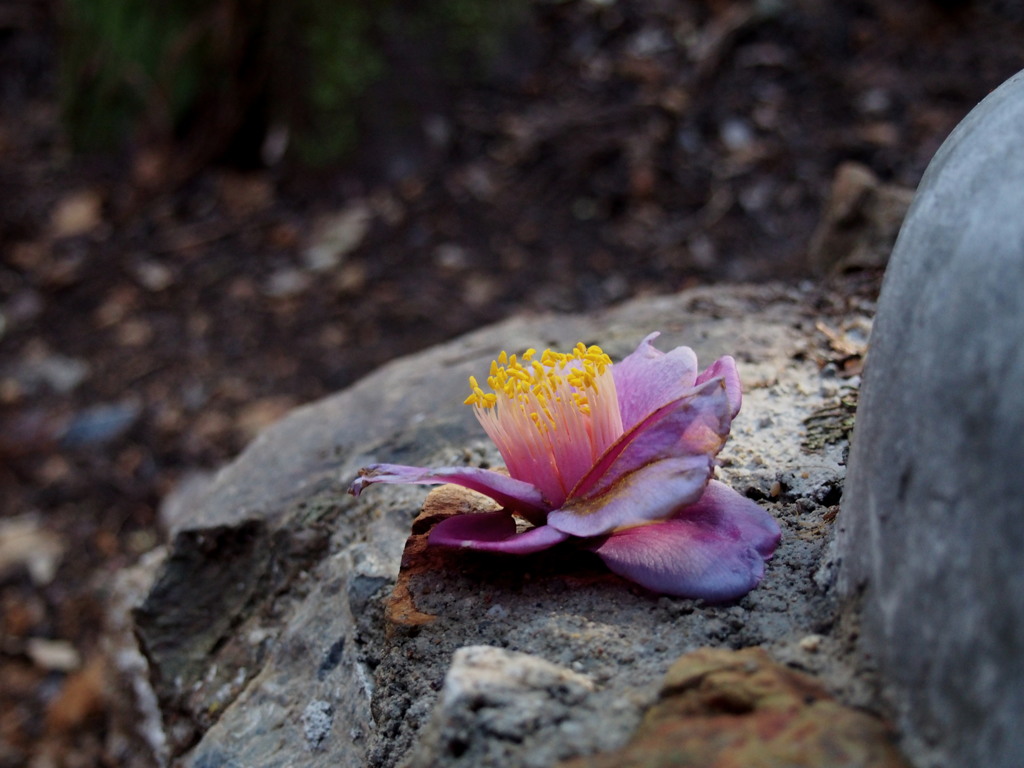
932, 531
860, 222
272, 634
500, 707
738, 709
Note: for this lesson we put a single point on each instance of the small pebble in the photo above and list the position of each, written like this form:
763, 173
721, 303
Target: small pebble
153, 276
53, 655
100, 424
496, 611
811, 643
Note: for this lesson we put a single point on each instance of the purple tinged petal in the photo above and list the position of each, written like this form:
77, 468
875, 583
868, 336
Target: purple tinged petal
514, 494
679, 557
754, 524
714, 549
648, 378
725, 368
651, 492
696, 424
493, 532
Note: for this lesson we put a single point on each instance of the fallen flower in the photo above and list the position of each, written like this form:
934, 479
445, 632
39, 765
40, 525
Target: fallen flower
617, 457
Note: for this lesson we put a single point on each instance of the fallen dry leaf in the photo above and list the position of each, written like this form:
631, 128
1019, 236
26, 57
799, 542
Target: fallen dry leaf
77, 213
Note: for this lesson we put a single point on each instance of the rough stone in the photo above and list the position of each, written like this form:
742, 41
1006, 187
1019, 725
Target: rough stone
860, 222
304, 657
739, 709
497, 706
932, 534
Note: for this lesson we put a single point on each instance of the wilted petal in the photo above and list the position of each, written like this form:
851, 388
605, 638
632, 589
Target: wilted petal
493, 532
513, 494
753, 523
696, 424
652, 492
725, 367
714, 549
648, 378
682, 558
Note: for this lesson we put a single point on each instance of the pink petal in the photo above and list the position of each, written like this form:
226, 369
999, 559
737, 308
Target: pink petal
493, 532
651, 492
755, 525
648, 378
714, 549
510, 493
725, 367
696, 424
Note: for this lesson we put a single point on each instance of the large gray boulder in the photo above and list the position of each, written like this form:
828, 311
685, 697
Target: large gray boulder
932, 531
268, 624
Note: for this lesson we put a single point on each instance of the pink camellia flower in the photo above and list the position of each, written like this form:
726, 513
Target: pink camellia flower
618, 458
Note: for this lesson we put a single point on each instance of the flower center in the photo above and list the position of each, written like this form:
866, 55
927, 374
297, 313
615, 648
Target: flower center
552, 417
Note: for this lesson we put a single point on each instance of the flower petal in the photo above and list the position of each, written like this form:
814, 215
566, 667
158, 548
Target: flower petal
648, 378
652, 492
755, 525
696, 424
725, 367
493, 532
513, 494
714, 549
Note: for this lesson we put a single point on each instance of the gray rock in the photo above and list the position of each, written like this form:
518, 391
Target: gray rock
42, 370
932, 530
497, 704
101, 424
266, 629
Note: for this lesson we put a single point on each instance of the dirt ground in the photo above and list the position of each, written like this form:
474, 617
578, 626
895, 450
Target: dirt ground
149, 329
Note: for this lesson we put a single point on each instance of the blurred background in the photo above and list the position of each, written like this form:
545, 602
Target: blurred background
212, 211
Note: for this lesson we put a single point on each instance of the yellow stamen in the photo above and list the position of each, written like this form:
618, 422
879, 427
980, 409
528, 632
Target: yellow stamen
535, 385
552, 414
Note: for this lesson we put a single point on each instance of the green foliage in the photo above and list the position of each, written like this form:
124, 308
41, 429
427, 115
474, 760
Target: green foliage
479, 28
181, 69
109, 60
344, 63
